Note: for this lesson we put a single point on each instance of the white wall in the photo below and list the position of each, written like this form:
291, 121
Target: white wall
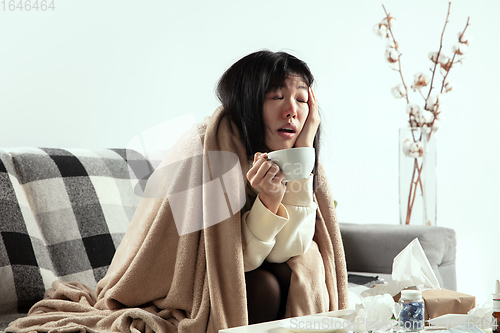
95, 73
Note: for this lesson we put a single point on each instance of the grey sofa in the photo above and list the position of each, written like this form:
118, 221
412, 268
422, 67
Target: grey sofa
63, 212
371, 248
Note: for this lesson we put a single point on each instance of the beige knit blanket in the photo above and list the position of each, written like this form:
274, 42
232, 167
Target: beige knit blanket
159, 281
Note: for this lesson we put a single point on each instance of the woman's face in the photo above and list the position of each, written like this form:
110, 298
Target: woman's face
285, 112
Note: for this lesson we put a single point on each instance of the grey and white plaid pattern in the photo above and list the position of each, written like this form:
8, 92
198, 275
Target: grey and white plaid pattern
63, 213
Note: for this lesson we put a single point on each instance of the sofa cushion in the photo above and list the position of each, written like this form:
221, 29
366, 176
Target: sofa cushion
62, 215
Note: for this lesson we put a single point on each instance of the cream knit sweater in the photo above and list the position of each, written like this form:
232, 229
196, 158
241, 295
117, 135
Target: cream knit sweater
278, 237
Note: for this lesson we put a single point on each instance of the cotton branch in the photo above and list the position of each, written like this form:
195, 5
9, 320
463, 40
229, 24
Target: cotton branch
440, 48
399, 57
453, 58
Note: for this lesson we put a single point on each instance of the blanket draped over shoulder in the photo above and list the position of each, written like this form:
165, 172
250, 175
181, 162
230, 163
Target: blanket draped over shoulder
163, 280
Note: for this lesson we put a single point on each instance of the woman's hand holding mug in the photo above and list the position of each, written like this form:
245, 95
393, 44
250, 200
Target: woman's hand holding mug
266, 176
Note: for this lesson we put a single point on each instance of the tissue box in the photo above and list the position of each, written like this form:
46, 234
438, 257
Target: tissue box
439, 302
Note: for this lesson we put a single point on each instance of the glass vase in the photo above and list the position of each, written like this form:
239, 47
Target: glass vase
417, 176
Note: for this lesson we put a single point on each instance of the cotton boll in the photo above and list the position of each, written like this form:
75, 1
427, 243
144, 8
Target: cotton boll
399, 91
434, 102
420, 80
445, 62
463, 48
392, 55
391, 52
428, 116
443, 59
412, 149
433, 56
460, 48
380, 29
392, 22
407, 147
431, 101
421, 119
424, 117
419, 76
412, 108
416, 149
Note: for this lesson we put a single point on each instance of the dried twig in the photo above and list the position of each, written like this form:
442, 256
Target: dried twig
396, 46
439, 51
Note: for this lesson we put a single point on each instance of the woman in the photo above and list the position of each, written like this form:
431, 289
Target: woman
163, 280
274, 108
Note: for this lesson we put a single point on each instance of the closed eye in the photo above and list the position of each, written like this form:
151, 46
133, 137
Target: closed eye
301, 101
277, 97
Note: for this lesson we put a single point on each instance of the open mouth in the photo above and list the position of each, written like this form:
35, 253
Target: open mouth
286, 130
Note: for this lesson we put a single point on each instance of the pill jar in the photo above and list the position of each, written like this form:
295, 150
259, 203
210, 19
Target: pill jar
411, 317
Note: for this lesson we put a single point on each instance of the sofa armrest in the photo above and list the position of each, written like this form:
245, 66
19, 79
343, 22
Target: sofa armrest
371, 248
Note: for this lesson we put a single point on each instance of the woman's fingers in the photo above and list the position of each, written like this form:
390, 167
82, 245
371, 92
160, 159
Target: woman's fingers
312, 97
257, 155
258, 160
271, 172
266, 169
313, 107
306, 136
258, 171
264, 174
272, 181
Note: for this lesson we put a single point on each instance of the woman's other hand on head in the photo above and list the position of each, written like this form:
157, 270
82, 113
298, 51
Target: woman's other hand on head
266, 176
306, 136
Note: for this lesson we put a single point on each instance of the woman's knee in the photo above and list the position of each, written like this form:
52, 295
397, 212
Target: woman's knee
263, 295
261, 282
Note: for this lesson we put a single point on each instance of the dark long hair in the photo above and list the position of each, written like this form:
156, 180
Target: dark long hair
243, 87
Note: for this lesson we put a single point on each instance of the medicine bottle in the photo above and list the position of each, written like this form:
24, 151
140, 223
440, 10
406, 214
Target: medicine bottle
496, 319
496, 314
411, 316
496, 309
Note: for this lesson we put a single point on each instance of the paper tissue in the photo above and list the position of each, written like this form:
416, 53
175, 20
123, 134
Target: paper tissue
375, 313
411, 270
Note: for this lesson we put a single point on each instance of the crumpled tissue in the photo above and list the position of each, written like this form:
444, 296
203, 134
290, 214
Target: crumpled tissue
372, 313
375, 313
480, 316
410, 268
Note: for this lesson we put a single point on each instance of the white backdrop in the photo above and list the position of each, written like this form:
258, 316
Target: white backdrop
94, 74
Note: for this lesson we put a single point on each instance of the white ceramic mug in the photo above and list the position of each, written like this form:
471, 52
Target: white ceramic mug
296, 163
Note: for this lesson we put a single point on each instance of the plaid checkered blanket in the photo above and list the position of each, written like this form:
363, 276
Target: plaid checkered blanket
62, 215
